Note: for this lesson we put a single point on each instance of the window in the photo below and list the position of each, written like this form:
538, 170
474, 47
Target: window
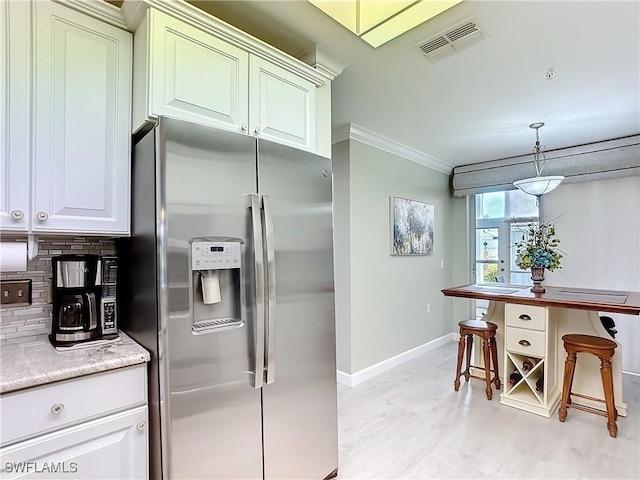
501, 218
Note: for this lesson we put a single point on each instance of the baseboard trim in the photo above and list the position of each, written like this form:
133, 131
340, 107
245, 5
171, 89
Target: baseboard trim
353, 379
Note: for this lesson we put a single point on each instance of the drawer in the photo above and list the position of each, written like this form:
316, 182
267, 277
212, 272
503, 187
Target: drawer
526, 342
525, 316
38, 410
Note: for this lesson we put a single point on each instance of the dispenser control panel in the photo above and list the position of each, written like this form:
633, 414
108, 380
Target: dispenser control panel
215, 255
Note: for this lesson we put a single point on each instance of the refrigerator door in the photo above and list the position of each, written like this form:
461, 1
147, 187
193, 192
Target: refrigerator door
214, 409
299, 397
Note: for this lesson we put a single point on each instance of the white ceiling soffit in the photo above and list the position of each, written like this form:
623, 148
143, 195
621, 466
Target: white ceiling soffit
450, 40
378, 21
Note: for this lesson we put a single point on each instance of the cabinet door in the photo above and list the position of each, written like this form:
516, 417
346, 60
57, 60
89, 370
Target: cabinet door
14, 116
282, 105
110, 447
82, 123
196, 76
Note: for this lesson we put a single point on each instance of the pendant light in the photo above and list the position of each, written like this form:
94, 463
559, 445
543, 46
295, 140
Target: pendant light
538, 185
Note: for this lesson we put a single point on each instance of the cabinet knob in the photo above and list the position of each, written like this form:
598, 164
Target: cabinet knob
244, 127
141, 426
525, 343
17, 214
257, 130
525, 317
57, 408
42, 216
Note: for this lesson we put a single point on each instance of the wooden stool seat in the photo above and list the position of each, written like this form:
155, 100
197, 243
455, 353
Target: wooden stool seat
589, 342
486, 331
604, 349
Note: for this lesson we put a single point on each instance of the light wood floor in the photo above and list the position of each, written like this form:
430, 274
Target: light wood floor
408, 423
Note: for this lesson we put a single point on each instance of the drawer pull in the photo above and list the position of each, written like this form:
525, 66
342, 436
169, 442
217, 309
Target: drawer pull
525, 343
57, 408
524, 317
141, 426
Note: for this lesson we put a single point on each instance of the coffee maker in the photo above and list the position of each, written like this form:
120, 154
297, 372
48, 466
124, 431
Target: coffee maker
84, 299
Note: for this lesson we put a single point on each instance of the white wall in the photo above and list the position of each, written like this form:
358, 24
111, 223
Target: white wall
386, 312
598, 224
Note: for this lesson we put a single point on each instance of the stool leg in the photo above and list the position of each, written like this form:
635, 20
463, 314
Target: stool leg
456, 383
569, 368
467, 370
487, 367
607, 385
494, 356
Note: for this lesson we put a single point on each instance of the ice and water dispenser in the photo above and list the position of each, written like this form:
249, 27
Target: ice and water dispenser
216, 291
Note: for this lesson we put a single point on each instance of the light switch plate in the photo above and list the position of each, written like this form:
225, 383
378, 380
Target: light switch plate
15, 292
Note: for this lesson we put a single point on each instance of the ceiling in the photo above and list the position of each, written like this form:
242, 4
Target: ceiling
476, 104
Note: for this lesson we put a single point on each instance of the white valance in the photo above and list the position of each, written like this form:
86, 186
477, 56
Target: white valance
594, 161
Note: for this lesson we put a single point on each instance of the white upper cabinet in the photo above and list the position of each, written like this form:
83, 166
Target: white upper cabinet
282, 105
199, 69
81, 156
196, 76
14, 116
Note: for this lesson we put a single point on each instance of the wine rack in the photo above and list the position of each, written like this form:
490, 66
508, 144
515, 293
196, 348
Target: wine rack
527, 388
530, 336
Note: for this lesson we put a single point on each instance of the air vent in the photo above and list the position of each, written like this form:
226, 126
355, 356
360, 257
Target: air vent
432, 45
450, 40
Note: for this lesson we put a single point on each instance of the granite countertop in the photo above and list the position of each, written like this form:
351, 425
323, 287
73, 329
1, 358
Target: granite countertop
34, 361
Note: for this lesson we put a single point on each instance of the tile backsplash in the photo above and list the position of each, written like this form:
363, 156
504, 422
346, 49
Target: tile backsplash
35, 319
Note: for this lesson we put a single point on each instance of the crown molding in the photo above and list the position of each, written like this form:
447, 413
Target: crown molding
352, 131
323, 61
99, 9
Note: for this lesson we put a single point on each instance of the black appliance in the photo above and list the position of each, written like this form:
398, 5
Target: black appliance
84, 299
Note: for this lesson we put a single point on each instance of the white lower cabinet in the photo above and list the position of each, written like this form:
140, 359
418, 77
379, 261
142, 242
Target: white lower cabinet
530, 359
91, 427
114, 447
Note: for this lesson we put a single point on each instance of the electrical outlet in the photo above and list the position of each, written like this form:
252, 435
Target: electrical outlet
15, 292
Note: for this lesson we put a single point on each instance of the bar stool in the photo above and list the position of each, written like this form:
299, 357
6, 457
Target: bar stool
486, 331
603, 348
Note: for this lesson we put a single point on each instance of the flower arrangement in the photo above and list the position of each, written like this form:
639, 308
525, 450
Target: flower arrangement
539, 247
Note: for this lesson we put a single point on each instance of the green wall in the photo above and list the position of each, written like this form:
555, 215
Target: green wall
381, 300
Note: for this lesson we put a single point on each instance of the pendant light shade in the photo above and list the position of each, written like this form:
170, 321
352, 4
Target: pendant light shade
538, 185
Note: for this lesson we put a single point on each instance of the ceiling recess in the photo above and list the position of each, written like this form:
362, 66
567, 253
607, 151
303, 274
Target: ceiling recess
452, 39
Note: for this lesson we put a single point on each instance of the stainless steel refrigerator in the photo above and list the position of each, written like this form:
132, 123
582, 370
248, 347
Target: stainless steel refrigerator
228, 282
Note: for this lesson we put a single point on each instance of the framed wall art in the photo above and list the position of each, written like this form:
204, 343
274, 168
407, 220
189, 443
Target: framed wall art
411, 227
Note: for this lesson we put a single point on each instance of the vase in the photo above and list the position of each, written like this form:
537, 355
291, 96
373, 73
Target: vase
537, 275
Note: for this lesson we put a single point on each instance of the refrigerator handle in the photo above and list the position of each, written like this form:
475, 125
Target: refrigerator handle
256, 224
271, 289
